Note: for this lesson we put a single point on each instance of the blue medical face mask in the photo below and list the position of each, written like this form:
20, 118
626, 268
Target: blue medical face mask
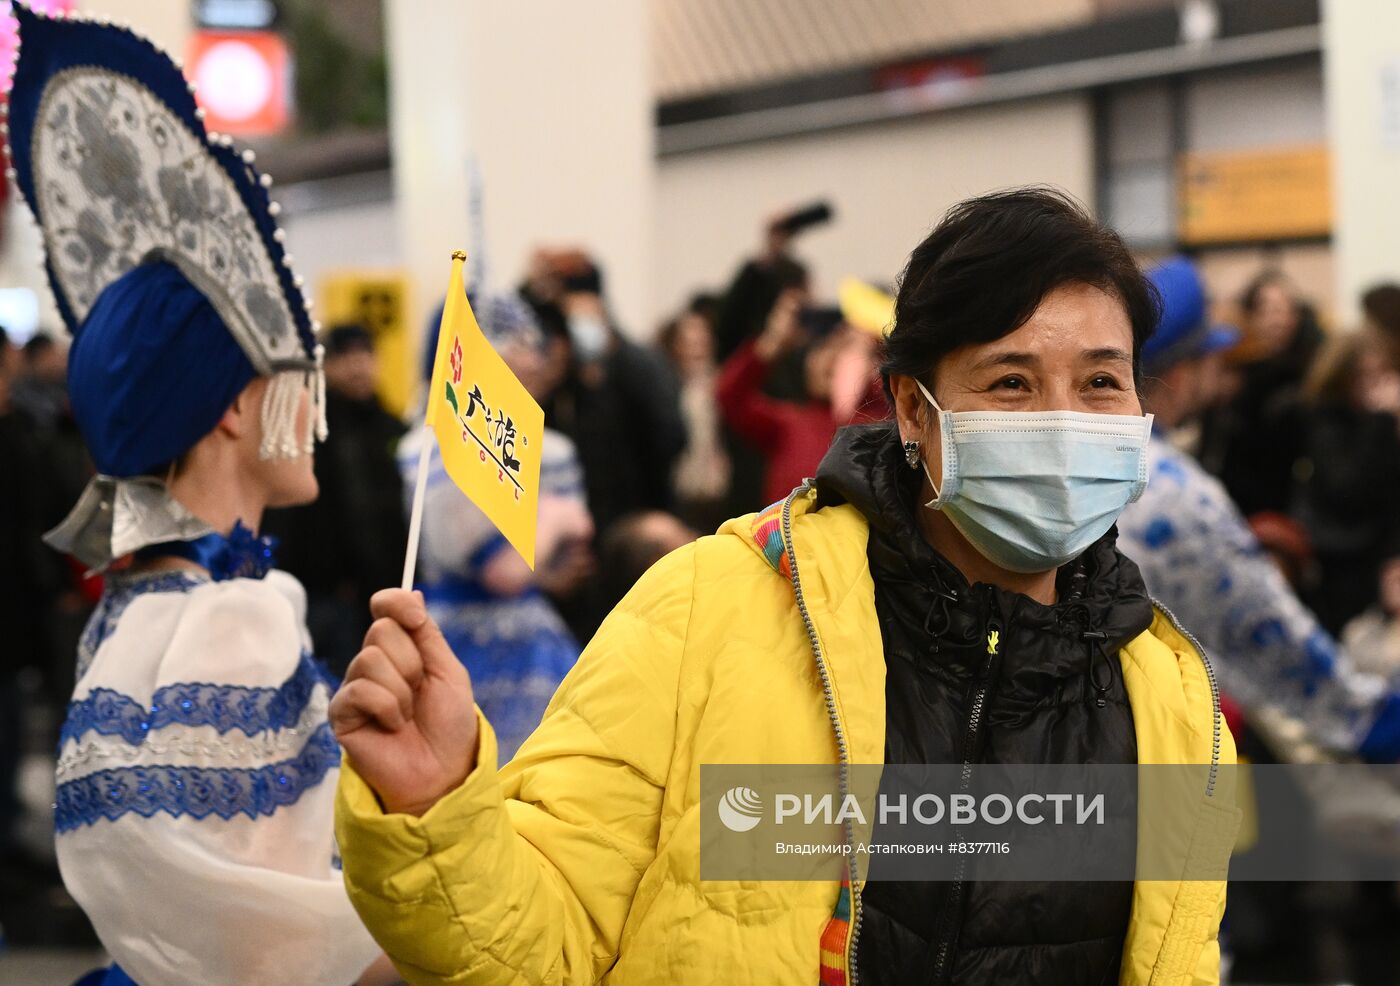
1032, 490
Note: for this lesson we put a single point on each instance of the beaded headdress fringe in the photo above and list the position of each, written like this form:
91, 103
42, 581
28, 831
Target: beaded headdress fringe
282, 401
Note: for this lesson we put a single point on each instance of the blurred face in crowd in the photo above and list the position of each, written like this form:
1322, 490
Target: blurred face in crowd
1180, 391
650, 537
590, 334
693, 348
1075, 353
1274, 320
665, 531
1390, 587
532, 367
353, 373
1376, 382
819, 368
50, 363
1191, 386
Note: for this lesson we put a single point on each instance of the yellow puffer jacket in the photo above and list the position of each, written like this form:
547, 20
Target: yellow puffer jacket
579, 860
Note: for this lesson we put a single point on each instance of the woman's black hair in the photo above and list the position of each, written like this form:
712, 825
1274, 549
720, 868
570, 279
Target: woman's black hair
989, 263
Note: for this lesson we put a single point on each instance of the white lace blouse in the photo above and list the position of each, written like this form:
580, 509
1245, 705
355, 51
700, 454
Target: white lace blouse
196, 782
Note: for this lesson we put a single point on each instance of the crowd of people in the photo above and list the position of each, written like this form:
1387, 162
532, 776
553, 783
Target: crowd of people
735, 403
744, 388
46, 598
647, 448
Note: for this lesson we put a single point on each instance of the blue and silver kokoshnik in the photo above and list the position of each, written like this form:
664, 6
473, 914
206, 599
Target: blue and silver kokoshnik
167, 265
1031, 490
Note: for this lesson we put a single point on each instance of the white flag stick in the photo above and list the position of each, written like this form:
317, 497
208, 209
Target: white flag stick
415, 518
455, 292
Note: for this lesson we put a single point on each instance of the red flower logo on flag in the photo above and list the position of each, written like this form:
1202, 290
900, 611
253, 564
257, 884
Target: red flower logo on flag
456, 361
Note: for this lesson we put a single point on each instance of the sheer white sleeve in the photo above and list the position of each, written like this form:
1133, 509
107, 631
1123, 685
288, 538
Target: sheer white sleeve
196, 781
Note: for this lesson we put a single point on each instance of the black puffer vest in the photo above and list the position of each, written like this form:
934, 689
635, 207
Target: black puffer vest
1052, 693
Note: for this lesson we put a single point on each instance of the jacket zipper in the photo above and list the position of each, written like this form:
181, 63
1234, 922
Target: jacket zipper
1216, 717
841, 747
950, 926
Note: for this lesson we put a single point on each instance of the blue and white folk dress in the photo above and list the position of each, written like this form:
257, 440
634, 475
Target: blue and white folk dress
1199, 557
196, 783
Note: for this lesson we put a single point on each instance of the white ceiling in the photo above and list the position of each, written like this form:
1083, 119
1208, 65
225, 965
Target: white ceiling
708, 46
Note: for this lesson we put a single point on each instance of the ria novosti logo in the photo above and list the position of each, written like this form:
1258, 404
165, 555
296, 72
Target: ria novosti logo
740, 809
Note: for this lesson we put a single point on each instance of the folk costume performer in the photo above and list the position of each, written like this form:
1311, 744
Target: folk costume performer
196, 769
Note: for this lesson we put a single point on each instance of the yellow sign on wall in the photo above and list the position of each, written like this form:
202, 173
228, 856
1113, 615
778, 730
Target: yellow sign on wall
378, 300
1241, 196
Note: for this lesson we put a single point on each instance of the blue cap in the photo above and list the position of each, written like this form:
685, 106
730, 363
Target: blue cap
1183, 330
152, 370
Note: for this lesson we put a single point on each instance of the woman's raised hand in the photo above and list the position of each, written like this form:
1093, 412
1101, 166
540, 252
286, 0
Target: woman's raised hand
405, 714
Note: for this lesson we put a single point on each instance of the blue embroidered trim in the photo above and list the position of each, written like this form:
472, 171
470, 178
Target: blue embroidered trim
198, 792
120, 591
225, 707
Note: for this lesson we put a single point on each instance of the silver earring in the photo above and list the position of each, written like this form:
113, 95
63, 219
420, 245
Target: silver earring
911, 453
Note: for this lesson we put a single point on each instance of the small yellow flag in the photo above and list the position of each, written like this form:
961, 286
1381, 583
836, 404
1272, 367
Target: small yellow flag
489, 428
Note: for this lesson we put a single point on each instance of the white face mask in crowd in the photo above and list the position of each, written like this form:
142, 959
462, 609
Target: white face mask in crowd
1032, 490
590, 337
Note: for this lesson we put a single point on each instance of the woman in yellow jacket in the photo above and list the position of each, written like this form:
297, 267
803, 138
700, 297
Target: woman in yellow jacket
946, 591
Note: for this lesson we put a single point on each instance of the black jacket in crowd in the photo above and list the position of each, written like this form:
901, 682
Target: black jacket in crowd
628, 430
